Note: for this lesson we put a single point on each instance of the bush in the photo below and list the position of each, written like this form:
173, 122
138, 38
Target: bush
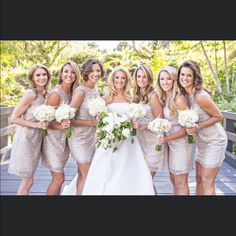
225, 102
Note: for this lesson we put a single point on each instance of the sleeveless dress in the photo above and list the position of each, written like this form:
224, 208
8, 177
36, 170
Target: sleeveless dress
123, 172
26, 146
55, 147
180, 159
211, 142
82, 141
156, 161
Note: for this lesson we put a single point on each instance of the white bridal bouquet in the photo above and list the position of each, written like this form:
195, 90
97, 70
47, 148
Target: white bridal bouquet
97, 106
44, 113
159, 125
65, 112
136, 111
112, 127
188, 118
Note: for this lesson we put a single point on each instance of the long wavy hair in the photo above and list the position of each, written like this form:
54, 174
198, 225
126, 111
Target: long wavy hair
77, 73
197, 77
111, 90
144, 98
171, 101
86, 68
32, 84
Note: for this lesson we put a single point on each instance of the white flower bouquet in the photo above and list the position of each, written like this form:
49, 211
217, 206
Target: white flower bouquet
65, 112
97, 106
136, 111
188, 118
159, 126
44, 113
112, 127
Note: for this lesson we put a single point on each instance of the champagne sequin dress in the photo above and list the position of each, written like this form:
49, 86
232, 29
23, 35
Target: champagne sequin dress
211, 142
155, 160
180, 159
26, 146
55, 146
82, 141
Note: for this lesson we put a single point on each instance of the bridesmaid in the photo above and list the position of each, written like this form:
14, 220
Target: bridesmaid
179, 150
210, 136
82, 141
26, 146
55, 146
144, 94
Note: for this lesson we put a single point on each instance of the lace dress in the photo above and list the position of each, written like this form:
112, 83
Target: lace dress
82, 141
180, 159
211, 142
155, 160
26, 146
55, 146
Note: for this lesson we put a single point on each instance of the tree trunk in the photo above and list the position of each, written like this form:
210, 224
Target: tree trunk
219, 88
226, 70
216, 61
233, 79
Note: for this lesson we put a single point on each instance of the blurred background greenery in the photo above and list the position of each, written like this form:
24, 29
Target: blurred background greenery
217, 59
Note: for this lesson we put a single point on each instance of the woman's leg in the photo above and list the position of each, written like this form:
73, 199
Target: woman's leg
181, 183
82, 174
25, 185
153, 175
199, 187
172, 179
54, 187
208, 180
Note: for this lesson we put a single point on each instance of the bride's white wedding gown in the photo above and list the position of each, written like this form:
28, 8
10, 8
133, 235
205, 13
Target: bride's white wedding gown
123, 172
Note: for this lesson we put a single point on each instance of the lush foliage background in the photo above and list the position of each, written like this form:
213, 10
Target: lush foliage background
216, 58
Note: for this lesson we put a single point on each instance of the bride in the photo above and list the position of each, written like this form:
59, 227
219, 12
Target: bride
123, 172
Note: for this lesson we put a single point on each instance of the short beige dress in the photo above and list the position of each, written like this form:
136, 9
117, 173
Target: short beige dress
180, 160
26, 146
82, 142
211, 142
156, 161
55, 146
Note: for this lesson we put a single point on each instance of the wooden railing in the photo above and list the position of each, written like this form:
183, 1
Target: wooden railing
228, 123
7, 130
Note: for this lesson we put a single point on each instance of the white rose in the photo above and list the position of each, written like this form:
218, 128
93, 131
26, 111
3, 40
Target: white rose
108, 128
126, 132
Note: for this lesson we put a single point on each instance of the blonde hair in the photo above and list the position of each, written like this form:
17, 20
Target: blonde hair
77, 73
144, 98
32, 84
172, 72
111, 90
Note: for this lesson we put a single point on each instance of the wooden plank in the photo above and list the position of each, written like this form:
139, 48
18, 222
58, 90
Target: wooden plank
5, 153
225, 181
230, 159
5, 149
229, 154
6, 110
229, 114
7, 130
231, 136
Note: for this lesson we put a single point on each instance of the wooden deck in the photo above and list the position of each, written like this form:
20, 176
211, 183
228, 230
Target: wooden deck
225, 181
